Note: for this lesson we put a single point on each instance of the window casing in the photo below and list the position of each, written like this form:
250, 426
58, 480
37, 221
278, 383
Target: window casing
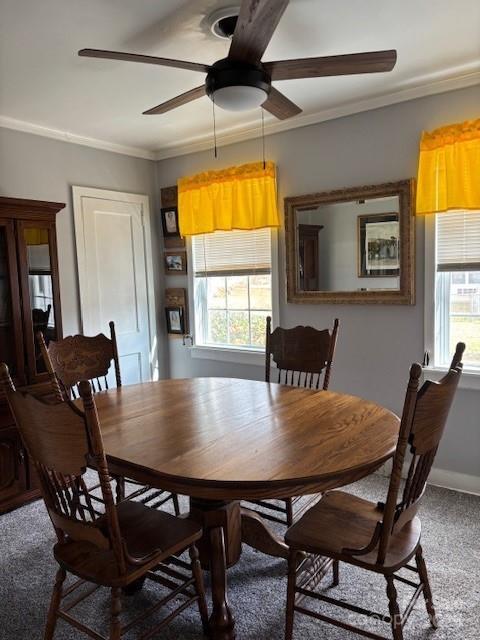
453, 244
232, 288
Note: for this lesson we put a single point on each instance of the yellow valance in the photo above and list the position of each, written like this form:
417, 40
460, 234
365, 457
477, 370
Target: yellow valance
449, 168
34, 236
243, 197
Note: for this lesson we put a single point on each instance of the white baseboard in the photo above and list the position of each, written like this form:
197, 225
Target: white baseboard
454, 480
443, 478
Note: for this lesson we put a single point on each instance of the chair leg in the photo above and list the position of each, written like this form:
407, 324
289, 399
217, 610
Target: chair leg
199, 588
336, 573
292, 581
54, 604
120, 488
427, 592
289, 511
116, 608
396, 619
176, 506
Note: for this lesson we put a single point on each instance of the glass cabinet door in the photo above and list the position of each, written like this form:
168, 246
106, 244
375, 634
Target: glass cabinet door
11, 349
40, 293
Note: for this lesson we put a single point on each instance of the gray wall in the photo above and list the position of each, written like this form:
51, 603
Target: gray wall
338, 244
43, 169
377, 343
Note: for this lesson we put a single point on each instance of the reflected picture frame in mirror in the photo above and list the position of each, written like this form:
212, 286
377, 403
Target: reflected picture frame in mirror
385, 245
378, 245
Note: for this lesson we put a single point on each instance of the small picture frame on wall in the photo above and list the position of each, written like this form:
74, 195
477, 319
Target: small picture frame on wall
170, 222
175, 262
175, 320
176, 299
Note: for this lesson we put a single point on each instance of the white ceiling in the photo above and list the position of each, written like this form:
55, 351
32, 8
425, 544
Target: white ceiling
46, 88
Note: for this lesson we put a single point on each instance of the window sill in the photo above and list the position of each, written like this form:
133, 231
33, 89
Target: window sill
470, 378
224, 354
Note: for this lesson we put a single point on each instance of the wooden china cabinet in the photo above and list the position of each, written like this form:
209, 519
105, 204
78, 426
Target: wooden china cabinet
29, 302
308, 252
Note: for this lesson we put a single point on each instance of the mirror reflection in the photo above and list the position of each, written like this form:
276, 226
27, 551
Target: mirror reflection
349, 246
40, 288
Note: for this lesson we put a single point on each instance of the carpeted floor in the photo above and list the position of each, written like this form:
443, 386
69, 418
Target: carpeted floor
257, 585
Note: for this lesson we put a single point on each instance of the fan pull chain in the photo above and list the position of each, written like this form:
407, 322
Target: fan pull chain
214, 129
263, 137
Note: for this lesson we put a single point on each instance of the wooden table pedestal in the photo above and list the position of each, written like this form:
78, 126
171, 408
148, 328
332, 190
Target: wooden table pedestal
226, 525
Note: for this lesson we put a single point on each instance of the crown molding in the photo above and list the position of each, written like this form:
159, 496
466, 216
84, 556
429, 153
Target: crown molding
402, 95
73, 138
422, 87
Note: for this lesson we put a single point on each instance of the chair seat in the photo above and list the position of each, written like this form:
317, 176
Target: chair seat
342, 521
144, 530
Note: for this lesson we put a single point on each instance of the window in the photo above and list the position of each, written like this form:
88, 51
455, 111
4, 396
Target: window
457, 287
41, 294
232, 272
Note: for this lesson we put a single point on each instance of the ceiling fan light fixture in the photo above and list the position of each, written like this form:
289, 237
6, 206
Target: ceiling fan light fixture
239, 97
236, 86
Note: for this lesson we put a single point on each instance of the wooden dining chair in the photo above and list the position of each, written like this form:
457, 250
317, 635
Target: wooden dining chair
381, 537
303, 356
40, 318
77, 358
118, 547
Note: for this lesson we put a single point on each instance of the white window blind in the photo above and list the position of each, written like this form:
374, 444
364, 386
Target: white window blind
226, 253
458, 241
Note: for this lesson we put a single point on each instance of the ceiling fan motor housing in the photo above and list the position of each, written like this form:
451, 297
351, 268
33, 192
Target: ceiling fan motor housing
229, 73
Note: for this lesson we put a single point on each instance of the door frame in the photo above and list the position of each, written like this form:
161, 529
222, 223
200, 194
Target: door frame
78, 193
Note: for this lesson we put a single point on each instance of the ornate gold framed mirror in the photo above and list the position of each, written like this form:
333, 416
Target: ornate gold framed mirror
354, 245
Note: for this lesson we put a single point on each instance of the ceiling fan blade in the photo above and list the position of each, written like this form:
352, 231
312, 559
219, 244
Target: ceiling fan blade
183, 98
280, 106
136, 57
369, 62
256, 23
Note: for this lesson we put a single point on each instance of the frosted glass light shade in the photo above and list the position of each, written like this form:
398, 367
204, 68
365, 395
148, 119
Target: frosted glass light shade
239, 97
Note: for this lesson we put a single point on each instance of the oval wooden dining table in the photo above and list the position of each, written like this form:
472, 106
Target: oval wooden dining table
222, 440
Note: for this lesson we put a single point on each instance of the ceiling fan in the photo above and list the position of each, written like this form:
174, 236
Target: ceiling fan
242, 81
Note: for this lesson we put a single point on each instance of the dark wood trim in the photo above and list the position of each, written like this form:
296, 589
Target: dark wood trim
405, 189
52, 238
14, 298
28, 209
20, 499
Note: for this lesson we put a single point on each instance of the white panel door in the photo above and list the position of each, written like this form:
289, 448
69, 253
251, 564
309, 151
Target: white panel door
115, 274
